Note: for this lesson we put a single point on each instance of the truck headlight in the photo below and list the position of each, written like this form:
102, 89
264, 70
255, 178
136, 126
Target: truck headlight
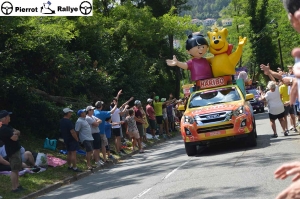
188, 119
239, 111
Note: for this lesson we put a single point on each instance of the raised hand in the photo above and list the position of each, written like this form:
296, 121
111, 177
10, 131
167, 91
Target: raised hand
172, 62
287, 170
292, 192
265, 68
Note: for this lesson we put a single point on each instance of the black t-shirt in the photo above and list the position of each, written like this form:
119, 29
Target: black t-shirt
66, 126
6, 132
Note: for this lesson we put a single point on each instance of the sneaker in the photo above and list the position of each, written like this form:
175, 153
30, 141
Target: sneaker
296, 130
21, 188
35, 170
122, 154
111, 157
291, 128
99, 163
77, 170
122, 150
155, 138
17, 190
286, 133
143, 144
70, 168
274, 136
142, 151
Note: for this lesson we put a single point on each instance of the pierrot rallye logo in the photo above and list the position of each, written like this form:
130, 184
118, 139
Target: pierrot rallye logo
21, 8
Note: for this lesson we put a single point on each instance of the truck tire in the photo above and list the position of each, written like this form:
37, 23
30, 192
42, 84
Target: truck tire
251, 139
191, 150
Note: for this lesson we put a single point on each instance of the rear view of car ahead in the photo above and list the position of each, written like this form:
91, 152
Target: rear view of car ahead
217, 115
257, 105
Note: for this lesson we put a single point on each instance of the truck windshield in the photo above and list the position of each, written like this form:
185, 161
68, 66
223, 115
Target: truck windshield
215, 96
253, 91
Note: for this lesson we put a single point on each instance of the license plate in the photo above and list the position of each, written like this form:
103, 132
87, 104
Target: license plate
213, 133
212, 116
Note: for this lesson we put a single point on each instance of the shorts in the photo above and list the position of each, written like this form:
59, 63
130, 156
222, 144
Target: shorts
104, 141
96, 141
159, 119
289, 110
170, 118
72, 145
15, 161
165, 116
141, 129
274, 117
116, 132
88, 145
135, 135
152, 124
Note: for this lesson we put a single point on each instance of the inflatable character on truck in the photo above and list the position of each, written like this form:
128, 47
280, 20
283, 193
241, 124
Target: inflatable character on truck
196, 46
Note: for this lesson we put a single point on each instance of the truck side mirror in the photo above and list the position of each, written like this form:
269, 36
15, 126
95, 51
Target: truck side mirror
249, 96
181, 107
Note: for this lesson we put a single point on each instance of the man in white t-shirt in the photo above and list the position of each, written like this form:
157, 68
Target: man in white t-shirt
275, 106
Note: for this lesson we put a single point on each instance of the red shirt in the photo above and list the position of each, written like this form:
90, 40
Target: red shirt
150, 112
138, 114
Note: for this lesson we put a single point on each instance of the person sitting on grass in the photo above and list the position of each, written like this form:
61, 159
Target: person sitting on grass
133, 131
27, 160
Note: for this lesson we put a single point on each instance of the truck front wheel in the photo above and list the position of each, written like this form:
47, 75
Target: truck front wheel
191, 150
251, 139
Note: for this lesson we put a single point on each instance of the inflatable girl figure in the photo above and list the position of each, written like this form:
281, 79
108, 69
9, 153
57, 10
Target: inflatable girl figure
196, 46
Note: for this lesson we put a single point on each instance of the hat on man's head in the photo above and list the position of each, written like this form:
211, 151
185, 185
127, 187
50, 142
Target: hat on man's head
163, 99
149, 100
156, 97
137, 102
289, 66
80, 111
99, 104
4, 113
67, 110
89, 108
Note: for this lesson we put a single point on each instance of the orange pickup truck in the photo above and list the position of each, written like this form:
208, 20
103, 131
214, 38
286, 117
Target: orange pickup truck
218, 112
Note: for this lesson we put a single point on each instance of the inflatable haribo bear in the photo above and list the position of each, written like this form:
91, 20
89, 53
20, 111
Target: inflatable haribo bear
223, 62
196, 46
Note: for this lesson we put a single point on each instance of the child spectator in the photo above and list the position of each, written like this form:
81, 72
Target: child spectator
133, 131
108, 127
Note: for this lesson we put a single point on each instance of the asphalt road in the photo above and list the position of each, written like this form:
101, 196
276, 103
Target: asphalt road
165, 171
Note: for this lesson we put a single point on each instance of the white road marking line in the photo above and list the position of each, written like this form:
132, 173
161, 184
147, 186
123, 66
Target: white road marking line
143, 193
169, 174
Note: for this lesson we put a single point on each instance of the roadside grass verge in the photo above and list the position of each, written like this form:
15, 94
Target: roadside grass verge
37, 181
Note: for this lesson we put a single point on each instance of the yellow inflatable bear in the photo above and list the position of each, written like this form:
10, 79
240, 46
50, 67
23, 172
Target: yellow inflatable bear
223, 63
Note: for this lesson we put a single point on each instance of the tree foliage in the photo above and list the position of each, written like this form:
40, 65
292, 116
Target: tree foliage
48, 63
